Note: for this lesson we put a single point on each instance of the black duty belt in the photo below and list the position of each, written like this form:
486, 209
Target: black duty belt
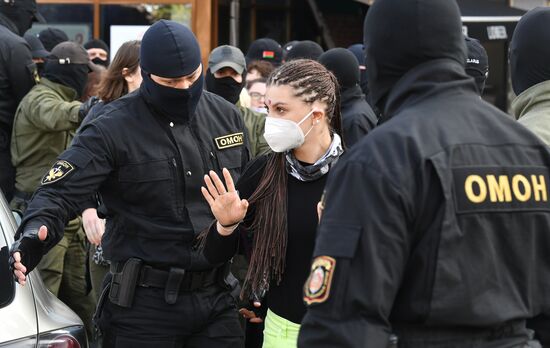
157, 278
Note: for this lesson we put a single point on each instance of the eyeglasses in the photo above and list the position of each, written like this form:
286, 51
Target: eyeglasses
256, 96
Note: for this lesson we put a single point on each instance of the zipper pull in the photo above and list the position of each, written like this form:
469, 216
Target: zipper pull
174, 163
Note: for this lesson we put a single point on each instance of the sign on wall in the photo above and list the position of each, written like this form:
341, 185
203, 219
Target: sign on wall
123, 33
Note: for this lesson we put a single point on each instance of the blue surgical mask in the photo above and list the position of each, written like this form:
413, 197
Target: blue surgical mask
260, 110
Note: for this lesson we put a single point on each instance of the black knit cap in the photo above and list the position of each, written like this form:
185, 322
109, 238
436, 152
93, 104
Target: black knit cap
305, 50
97, 43
51, 37
162, 52
343, 64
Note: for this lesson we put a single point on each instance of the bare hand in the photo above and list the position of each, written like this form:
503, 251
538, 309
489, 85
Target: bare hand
226, 205
93, 225
321, 207
19, 269
250, 315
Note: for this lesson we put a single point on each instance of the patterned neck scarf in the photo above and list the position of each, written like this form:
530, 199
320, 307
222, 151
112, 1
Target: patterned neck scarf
319, 168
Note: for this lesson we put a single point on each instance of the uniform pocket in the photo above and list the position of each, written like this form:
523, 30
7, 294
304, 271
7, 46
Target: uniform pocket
146, 171
337, 240
230, 158
151, 182
335, 247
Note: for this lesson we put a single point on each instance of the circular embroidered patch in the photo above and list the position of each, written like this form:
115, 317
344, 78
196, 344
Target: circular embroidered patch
317, 287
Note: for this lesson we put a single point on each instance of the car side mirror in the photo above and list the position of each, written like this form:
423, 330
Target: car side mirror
7, 282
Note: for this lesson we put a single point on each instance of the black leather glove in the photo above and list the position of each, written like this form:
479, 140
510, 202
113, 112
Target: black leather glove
29, 246
86, 107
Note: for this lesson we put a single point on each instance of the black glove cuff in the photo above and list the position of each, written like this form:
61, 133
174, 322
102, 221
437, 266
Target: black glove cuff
29, 246
86, 107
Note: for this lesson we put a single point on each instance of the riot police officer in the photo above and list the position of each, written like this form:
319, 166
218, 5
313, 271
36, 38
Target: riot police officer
435, 226
146, 155
17, 76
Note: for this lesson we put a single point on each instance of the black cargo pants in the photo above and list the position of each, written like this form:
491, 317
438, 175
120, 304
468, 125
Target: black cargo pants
206, 317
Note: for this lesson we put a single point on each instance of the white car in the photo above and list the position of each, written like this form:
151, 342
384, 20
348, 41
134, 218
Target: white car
30, 315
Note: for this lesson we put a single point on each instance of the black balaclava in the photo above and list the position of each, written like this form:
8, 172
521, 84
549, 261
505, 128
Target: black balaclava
169, 49
74, 76
96, 43
305, 50
22, 13
21, 18
343, 65
477, 64
358, 51
225, 87
419, 31
530, 50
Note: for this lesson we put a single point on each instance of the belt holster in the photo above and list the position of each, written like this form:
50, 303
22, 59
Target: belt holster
124, 282
228, 281
172, 289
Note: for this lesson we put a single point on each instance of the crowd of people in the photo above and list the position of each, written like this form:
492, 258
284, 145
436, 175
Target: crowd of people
287, 196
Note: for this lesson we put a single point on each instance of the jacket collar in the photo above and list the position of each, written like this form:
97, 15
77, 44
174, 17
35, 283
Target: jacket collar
535, 98
434, 77
349, 94
8, 23
67, 93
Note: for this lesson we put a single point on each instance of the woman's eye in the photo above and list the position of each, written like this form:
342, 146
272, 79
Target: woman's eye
280, 110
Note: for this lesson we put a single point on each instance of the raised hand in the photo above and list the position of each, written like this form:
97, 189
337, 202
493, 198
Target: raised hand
226, 205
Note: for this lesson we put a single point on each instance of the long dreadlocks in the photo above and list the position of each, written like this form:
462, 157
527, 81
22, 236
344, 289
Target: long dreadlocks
311, 82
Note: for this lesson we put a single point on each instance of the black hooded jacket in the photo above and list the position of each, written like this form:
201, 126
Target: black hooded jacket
426, 225
358, 119
17, 73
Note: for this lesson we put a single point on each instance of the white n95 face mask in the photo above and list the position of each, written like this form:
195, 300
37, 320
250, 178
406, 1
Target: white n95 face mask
282, 135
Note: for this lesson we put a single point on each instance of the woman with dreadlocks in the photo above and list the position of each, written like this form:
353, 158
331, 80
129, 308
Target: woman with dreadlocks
280, 192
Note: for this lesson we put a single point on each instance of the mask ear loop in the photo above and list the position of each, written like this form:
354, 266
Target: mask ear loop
309, 131
306, 117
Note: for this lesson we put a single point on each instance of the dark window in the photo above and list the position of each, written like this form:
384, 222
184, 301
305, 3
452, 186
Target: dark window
141, 14
75, 20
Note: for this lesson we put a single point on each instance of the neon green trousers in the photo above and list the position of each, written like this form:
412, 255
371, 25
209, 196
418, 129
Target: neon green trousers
279, 332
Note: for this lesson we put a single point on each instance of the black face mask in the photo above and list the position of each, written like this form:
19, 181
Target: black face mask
530, 50
40, 69
174, 103
225, 87
434, 32
21, 18
74, 76
99, 61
